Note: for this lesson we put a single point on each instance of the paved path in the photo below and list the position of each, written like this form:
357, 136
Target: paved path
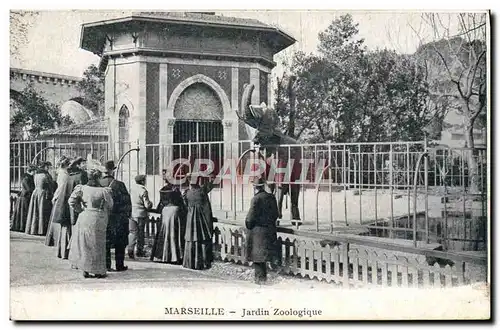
34, 264
44, 287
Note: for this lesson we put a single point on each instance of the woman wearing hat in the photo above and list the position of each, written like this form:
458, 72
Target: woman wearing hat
88, 244
41, 201
199, 227
168, 246
77, 171
20, 214
59, 232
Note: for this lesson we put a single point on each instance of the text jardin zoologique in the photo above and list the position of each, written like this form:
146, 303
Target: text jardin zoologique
214, 311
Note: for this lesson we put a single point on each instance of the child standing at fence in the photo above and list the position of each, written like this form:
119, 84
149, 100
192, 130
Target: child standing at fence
140, 207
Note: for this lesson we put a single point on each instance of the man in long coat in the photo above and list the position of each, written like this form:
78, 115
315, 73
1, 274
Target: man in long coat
261, 224
118, 223
59, 233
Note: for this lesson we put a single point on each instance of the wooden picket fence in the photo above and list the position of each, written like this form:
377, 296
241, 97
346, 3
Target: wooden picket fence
348, 261
351, 265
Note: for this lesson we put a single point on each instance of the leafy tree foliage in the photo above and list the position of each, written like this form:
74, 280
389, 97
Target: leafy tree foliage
350, 94
92, 89
33, 114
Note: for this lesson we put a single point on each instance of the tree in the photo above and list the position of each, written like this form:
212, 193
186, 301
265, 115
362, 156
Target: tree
350, 94
458, 62
33, 114
300, 95
92, 89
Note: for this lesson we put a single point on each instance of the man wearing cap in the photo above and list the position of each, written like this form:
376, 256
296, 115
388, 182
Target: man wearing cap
261, 225
117, 230
140, 207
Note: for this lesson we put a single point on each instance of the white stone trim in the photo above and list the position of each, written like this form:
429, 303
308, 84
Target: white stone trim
194, 61
163, 103
255, 80
269, 90
234, 88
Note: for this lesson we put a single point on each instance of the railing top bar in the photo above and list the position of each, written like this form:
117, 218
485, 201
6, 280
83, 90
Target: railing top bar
83, 143
33, 141
454, 256
326, 145
196, 143
441, 147
351, 239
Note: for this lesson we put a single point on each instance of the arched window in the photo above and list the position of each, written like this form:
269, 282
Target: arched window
123, 129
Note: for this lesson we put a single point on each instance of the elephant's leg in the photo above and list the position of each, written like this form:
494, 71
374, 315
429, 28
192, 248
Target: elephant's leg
282, 191
294, 200
271, 187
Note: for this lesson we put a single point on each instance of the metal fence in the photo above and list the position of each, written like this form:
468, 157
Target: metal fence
406, 190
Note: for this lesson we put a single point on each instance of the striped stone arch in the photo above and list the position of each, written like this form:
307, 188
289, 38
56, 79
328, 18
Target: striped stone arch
199, 78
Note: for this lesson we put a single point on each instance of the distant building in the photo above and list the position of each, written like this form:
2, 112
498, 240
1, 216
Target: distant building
453, 133
454, 137
92, 130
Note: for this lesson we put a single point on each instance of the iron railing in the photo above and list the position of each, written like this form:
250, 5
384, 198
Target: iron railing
373, 189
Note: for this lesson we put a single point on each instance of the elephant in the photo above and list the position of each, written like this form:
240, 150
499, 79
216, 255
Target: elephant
265, 121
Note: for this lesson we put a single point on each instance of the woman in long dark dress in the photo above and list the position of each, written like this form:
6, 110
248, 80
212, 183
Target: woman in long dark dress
59, 233
41, 201
199, 227
169, 242
21, 208
88, 243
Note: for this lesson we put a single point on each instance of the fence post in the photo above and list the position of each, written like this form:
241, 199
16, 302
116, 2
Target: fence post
426, 183
375, 179
345, 266
345, 179
391, 183
330, 199
415, 195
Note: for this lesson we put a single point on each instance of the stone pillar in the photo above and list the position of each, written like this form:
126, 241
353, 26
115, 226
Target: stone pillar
166, 132
269, 89
255, 80
234, 89
141, 116
167, 143
110, 110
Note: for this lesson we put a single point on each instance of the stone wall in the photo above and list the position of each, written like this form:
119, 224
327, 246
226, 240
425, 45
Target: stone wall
55, 88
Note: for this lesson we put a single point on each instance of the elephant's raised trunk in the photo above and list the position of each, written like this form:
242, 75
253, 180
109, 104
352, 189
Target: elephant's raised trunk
263, 119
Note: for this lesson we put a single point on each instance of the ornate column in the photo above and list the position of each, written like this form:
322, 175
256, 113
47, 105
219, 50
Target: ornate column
255, 80
166, 145
166, 134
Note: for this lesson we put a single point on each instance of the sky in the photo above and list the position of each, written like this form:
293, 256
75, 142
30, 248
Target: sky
53, 36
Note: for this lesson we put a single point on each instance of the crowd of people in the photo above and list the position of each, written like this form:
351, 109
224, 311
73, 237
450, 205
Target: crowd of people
84, 213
